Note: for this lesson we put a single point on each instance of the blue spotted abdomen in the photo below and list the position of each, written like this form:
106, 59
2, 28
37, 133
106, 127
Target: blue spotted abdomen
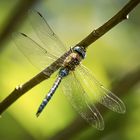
49, 95
62, 73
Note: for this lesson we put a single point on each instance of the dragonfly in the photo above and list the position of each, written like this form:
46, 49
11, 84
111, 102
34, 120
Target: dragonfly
75, 80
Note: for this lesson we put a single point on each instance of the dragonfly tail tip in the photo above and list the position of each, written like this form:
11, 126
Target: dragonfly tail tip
37, 114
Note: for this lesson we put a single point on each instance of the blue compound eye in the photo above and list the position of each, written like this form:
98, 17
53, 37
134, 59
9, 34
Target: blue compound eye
80, 50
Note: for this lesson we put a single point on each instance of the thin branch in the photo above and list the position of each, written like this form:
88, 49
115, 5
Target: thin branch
17, 15
120, 16
92, 37
121, 88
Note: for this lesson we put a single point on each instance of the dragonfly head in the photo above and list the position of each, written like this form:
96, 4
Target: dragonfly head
80, 50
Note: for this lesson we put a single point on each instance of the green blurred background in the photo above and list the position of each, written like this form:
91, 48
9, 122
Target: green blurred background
110, 58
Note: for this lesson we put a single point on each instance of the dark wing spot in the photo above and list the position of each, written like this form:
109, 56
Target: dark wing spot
39, 14
23, 34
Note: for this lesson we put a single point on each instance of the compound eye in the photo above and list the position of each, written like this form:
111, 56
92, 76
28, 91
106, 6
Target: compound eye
80, 51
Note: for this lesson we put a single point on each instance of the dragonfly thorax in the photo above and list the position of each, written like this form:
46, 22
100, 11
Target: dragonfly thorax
74, 59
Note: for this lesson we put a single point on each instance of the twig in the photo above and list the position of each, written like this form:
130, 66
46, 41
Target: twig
121, 88
92, 37
120, 16
17, 15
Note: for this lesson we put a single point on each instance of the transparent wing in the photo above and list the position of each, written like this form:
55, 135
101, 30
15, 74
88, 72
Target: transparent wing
50, 40
80, 101
37, 55
101, 94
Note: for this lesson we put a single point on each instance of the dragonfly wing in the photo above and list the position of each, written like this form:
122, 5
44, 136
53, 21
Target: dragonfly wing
37, 55
80, 101
50, 40
101, 94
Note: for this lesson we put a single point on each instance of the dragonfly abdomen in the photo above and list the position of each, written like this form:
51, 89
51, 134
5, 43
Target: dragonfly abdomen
49, 95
